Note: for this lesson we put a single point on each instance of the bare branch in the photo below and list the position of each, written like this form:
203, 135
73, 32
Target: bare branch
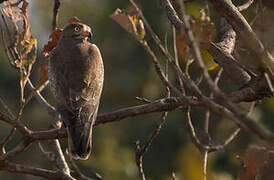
230, 65
12, 131
50, 109
256, 89
181, 85
174, 176
158, 68
139, 160
49, 174
244, 31
145, 100
55, 155
189, 83
269, 83
227, 42
7, 139
234, 113
18, 149
21, 127
78, 174
166, 104
245, 5
55, 13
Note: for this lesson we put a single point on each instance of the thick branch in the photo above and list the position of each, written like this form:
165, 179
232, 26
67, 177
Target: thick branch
244, 31
227, 43
230, 65
166, 104
239, 24
256, 89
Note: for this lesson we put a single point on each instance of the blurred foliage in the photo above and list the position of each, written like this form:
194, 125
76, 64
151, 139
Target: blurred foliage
129, 73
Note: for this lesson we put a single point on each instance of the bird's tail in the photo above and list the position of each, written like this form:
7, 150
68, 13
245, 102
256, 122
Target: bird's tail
80, 141
79, 135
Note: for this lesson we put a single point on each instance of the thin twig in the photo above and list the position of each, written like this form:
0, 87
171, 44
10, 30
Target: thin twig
174, 176
55, 155
195, 49
55, 14
139, 160
12, 131
50, 109
269, 83
7, 139
177, 60
77, 173
159, 70
245, 5
234, 113
143, 99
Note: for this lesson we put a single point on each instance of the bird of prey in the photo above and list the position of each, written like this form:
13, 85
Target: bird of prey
76, 75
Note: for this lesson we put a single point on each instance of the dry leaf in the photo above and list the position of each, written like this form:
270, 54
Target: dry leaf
182, 45
26, 24
203, 30
130, 21
13, 12
54, 36
43, 73
254, 159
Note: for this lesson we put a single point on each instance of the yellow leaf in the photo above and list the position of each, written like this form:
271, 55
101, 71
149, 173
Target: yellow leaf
208, 60
32, 42
194, 9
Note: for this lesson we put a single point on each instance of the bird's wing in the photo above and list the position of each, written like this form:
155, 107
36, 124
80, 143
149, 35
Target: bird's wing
81, 81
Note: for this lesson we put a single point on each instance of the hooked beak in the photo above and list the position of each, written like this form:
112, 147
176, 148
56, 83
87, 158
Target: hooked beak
87, 32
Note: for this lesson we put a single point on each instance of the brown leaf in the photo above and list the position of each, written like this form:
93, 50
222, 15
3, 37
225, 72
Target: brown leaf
26, 35
43, 73
203, 30
54, 36
266, 172
181, 45
130, 21
254, 160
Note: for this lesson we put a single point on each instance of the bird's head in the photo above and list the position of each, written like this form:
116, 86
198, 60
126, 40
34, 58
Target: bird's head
77, 31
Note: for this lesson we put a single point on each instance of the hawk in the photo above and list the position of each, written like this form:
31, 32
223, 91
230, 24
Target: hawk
76, 75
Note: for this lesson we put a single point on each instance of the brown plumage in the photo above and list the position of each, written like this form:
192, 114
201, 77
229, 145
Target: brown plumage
76, 76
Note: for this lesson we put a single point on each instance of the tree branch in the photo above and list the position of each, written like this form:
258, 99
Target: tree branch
55, 13
49, 174
244, 31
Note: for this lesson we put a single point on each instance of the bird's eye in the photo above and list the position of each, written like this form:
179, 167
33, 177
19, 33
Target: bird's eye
76, 29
